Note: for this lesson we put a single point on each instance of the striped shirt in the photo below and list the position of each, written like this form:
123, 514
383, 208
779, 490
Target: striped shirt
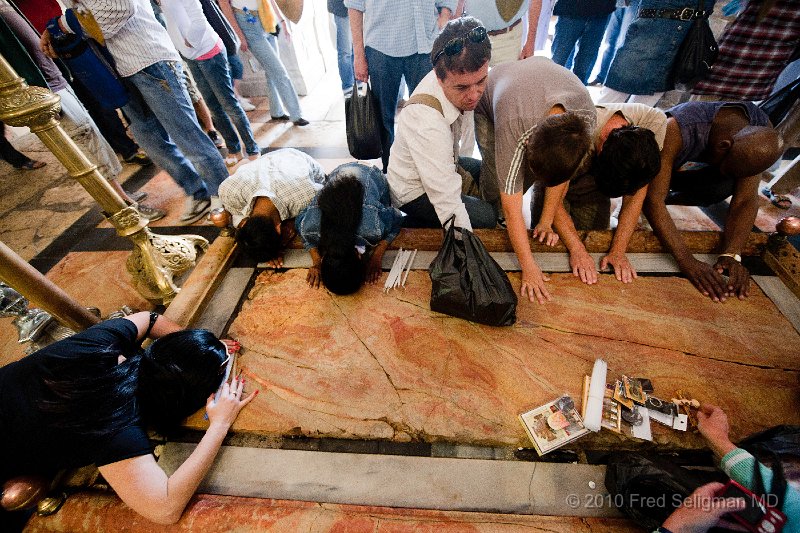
288, 177
133, 36
400, 28
519, 95
753, 51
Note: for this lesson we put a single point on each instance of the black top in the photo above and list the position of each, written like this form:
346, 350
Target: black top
337, 7
584, 8
29, 442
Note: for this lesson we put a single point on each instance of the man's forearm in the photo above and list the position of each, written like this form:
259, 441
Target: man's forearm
563, 224
628, 220
515, 225
357, 30
665, 229
739, 222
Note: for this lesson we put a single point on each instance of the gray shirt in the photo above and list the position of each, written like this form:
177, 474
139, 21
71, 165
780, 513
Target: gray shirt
519, 95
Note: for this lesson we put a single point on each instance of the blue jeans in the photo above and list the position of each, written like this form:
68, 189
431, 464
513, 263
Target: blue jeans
643, 62
237, 69
611, 38
264, 46
164, 122
344, 51
420, 212
587, 33
214, 81
385, 73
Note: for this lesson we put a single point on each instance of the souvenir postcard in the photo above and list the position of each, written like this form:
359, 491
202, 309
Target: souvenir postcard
553, 425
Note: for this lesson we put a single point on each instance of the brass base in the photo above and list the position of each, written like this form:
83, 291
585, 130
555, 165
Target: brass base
158, 259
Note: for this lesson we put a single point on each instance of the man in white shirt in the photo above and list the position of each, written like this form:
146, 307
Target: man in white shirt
423, 175
264, 195
161, 115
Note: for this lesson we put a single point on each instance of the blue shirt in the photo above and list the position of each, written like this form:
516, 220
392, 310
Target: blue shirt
379, 220
401, 28
694, 120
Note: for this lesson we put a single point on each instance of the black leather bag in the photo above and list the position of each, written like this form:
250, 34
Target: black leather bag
466, 282
697, 54
364, 125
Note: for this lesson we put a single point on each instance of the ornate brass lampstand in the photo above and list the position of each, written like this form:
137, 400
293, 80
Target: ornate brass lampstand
156, 259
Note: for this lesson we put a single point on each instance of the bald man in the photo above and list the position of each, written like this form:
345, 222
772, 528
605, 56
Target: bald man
713, 150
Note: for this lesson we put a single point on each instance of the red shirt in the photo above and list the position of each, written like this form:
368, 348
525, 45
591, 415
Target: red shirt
39, 12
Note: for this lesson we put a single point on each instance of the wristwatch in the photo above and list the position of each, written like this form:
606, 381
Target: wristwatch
735, 257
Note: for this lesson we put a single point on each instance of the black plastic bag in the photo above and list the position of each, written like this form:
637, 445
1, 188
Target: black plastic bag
364, 125
467, 283
697, 54
648, 489
778, 105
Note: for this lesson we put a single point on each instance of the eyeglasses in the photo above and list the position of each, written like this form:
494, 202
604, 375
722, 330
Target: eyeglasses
454, 46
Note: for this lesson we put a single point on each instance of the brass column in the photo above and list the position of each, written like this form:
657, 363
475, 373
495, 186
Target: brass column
155, 259
42, 292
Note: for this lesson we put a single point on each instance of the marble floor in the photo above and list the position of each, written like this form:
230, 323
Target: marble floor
345, 368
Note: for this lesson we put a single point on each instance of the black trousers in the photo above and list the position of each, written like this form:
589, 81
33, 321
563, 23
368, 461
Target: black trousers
8, 152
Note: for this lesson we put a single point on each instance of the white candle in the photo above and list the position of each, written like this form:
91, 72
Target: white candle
597, 389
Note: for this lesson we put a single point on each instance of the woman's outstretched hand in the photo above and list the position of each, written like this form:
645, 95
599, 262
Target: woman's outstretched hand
225, 409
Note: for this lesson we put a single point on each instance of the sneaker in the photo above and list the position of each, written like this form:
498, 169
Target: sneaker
150, 213
301, 122
246, 104
195, 210
215, 138
137, 196
139, 158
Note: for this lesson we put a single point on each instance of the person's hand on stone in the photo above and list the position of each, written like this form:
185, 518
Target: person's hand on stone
313, 276
533, 285
374, 268
224, 410
623, 270
545, 234
276, 263
738, 276
582, 265
705, 278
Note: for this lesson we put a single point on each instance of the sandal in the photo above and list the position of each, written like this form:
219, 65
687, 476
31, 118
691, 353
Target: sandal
30, 164
232, 161
781, 201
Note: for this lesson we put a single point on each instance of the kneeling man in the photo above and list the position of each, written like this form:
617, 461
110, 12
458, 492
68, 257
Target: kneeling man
423, 170
264, 196
713, 150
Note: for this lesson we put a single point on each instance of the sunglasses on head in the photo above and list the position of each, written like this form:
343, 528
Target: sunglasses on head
454, 46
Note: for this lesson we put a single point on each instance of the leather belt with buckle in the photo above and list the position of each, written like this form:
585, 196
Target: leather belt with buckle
495, 33
687, 13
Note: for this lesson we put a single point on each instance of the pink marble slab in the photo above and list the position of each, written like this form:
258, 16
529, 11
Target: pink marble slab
104, 513
383, 366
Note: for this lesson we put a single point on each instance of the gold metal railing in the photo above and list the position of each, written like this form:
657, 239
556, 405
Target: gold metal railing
155, 259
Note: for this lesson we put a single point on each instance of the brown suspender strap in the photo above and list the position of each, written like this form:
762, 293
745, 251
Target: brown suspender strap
425, 99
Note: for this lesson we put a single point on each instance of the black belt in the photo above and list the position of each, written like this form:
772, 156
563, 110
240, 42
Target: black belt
687, 13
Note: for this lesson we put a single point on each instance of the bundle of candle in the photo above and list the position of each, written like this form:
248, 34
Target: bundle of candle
402, 261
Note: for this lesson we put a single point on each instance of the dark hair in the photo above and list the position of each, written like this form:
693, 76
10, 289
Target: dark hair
259, 239
629, 160
471, 58
159, 386
559, 148
341, 202
177, 373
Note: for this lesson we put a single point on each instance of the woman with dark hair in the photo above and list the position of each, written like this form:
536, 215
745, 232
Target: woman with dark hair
90, 398
352, 213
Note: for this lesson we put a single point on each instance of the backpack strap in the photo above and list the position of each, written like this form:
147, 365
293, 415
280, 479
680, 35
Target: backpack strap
425, 99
